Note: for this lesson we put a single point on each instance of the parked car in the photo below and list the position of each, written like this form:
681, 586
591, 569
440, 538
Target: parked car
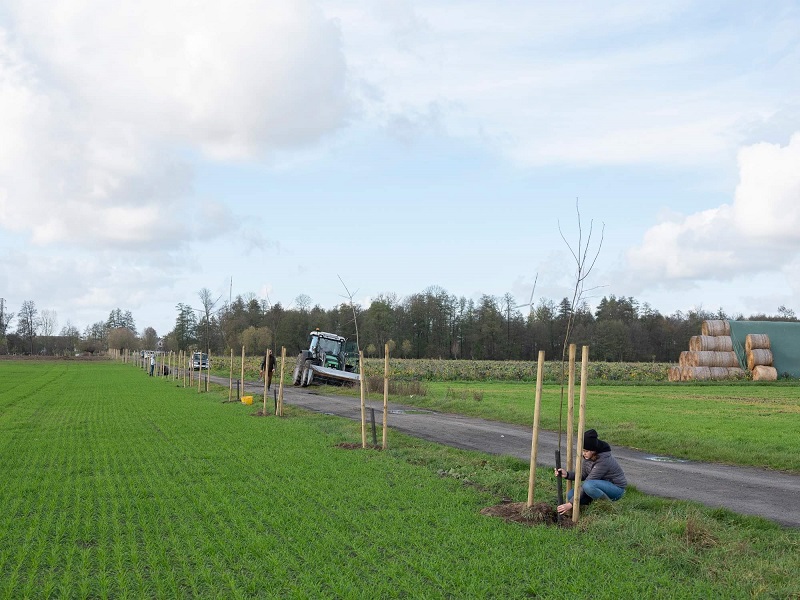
200, 361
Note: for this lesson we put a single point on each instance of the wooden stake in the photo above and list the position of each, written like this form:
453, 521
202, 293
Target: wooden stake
576, 497
230, 383
535, 441
571, 410
385, 392
266, 368
200, 373
280, 385
363, 400
242, 386
208, 367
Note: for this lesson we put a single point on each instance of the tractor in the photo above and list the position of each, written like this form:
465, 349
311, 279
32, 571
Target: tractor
325, 361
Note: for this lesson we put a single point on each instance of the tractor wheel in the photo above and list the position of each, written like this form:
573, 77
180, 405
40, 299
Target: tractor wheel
297, 375
308, 374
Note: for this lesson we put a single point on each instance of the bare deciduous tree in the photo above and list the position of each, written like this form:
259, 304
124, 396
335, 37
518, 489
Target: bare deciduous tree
149, 338
122, 338
303, 302
208, 307
5, 318
49, 322
28, 322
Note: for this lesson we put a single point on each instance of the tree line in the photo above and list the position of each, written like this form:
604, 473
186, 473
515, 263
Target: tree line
429, 324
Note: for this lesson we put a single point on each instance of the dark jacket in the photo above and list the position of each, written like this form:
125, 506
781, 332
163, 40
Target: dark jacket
271, 362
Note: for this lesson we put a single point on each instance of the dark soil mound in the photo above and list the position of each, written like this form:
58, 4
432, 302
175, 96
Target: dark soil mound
541, 513
354, 446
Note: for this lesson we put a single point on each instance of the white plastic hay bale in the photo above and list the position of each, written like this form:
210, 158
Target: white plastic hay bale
715, 327
759, 357
756, 341
765, 373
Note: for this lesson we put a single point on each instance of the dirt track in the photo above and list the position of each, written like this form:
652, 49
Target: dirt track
769, 494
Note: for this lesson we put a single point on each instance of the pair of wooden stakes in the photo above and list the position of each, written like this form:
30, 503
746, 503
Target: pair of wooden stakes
578, 457
279, 403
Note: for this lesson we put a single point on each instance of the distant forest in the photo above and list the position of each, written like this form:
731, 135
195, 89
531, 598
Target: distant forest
430, 324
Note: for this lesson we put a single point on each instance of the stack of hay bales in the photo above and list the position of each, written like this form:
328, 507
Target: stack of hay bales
710, 356
759, 357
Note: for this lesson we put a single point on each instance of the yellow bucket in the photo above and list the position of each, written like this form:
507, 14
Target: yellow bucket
247, 399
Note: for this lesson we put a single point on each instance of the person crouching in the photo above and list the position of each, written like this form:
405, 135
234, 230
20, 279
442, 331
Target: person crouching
601, 475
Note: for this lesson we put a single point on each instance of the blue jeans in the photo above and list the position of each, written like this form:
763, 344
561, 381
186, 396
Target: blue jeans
595, 489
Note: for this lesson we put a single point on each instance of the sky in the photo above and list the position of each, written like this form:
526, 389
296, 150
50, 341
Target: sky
339, 149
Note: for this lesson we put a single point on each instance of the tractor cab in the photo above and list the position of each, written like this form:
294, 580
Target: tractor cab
328, 347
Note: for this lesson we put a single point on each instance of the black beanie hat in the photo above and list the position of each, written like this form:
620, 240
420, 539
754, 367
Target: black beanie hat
590, 440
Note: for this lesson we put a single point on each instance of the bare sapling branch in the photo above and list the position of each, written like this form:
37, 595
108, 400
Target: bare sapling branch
353, 308
585, 257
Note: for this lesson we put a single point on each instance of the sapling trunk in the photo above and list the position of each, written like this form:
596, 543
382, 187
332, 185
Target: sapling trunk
559, 482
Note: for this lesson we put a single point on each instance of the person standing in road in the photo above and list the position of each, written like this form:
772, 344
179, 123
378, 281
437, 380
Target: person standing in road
270, 362
601, 475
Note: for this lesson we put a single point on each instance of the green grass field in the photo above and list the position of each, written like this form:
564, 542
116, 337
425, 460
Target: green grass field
118, 485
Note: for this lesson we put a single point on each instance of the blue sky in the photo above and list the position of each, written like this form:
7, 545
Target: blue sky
156, 149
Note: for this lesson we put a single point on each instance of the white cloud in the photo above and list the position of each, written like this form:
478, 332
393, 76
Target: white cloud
767, 205
586, 83
86, 288
759, 232
101, 105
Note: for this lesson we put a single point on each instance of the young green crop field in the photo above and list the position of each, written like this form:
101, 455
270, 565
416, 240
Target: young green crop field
119, 485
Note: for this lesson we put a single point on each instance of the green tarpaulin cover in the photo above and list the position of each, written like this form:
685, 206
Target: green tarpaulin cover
784, 339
